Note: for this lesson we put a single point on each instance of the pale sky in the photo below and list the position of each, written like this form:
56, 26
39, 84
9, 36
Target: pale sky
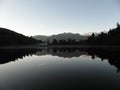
47, 17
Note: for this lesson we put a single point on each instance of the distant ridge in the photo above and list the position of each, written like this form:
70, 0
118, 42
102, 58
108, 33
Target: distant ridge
61, 36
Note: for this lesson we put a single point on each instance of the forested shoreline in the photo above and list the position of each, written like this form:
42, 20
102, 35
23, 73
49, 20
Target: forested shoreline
110, 38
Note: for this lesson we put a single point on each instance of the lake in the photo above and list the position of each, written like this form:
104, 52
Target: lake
59, 69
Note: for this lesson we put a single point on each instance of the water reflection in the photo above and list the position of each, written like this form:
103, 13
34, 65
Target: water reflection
63, 52
113, 57
79, 73
7, 55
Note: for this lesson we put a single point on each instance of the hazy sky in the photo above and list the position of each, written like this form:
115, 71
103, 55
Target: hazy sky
46, 17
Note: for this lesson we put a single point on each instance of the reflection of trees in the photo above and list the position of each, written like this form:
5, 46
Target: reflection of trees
7, 55
113, 57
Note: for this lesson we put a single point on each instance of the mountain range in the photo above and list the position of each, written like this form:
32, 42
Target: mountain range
62, 36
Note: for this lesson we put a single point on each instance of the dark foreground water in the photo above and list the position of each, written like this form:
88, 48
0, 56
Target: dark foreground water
59, 69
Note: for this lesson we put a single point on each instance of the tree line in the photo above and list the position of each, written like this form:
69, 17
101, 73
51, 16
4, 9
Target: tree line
112, 37
65, 42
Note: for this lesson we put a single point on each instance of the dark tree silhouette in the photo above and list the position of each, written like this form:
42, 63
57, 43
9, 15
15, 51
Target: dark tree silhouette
48, 42
55, 42
118, 25
110, 38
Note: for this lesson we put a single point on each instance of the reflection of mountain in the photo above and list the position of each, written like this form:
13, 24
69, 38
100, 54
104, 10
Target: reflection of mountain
7, 55
113, 57
66, 53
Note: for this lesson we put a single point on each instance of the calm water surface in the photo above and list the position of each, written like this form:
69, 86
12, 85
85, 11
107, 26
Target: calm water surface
58, 70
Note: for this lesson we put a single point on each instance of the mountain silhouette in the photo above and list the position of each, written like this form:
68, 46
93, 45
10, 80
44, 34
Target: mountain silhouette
9, 37
62, 36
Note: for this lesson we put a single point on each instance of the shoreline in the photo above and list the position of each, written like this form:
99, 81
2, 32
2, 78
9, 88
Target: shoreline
61, 46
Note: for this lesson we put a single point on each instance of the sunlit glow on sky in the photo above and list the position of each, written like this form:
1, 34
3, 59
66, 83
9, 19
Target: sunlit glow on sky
47, 17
